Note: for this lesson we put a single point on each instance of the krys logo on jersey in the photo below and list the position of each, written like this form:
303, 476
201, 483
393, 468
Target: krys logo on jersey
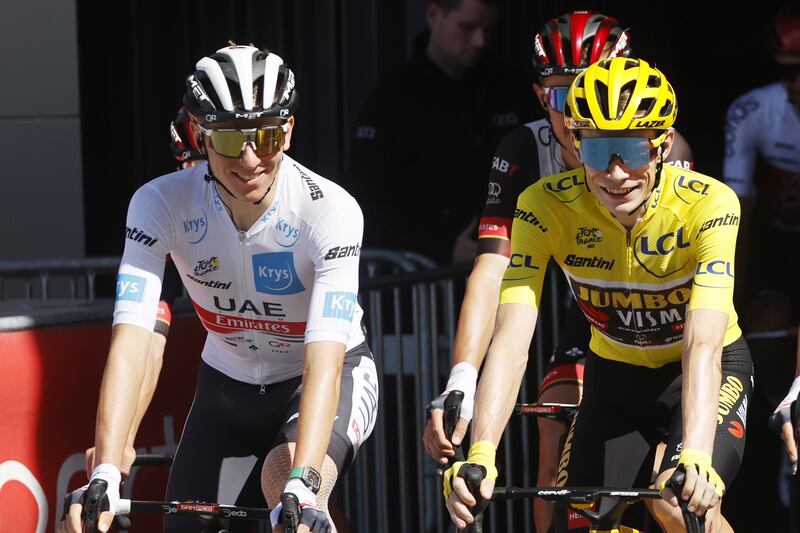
195, 227
275, 273
130, 288
286, 232
633, 316
339, 304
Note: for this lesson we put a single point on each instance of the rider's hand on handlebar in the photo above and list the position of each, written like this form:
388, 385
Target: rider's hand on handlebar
436, 443
299, 505
99, 499
458, 497
702, 488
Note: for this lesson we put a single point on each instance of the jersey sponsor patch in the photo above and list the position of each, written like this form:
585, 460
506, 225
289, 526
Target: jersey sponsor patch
130, 288
227, 324
286, 234
338, 252
137, 235
195, 227
632, 316
275, 273
339, 304
714, 274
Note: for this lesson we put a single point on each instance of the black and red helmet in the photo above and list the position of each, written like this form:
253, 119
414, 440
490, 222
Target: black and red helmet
570, 43
786, 37
240, 83
185, 143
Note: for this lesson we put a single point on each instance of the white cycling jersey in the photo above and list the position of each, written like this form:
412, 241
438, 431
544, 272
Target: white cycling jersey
261, 294
765, 123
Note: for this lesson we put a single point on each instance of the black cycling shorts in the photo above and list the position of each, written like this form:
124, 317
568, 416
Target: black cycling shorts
622, 400
232, 426
566, 364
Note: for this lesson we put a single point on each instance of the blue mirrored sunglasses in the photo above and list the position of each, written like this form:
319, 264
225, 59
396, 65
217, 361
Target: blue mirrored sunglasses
555, 97
633, 152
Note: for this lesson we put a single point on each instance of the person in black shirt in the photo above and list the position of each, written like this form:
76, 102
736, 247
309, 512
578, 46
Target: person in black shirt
428, 133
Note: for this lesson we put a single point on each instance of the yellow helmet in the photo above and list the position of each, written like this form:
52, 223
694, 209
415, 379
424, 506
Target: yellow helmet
620, 94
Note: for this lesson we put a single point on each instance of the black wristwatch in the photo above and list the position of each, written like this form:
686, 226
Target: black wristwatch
308, 475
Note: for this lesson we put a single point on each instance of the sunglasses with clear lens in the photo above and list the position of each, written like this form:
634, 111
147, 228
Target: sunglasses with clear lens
633, 152
267, 140
555, 97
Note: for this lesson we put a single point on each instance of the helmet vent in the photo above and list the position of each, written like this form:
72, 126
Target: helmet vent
666, 109
653, 81
645, 106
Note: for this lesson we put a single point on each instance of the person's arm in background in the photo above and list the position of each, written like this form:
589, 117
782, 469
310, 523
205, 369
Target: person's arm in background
514, 167
782, 417
507, 359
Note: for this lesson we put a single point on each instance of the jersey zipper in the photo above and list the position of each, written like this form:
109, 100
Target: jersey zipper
243, 243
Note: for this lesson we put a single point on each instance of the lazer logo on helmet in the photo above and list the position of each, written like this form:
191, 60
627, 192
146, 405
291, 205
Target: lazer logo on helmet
650, 124
130, 288
339, 305
137, 235
275, 273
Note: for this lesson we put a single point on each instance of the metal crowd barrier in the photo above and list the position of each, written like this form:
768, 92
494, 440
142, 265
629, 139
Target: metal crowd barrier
410, 311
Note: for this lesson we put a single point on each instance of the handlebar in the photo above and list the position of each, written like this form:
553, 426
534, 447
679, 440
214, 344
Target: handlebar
563, 412
213, 510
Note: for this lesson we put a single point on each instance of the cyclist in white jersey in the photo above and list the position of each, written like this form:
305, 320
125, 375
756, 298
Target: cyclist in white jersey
762, 164
529, 152
268, 252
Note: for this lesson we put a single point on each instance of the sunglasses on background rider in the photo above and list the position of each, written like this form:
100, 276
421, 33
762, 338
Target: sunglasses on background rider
267, 140
555, 97
633, 152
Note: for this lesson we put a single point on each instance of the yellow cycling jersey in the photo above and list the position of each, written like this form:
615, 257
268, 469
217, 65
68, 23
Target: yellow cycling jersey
634, 287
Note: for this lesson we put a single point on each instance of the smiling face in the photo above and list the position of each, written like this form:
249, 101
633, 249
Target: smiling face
622, 190
248, 176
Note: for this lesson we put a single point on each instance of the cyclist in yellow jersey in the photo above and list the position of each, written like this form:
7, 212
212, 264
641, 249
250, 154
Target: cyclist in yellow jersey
656, 284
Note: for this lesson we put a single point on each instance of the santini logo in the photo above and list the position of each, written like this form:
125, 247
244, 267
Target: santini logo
135, 234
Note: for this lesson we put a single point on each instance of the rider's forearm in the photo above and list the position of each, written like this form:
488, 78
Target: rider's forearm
155, 357
702, 376
478, 310
322, 373
503, 371
119, 393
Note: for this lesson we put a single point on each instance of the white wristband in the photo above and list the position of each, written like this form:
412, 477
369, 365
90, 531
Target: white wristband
111, 475
464, 378
794, 390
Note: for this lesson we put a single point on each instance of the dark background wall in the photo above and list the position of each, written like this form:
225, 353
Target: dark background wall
134, 56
